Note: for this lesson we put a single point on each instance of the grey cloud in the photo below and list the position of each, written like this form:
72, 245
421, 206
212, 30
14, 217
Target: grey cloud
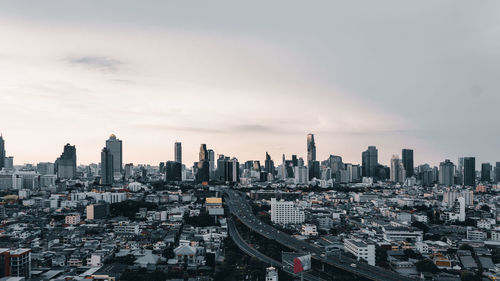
102, 63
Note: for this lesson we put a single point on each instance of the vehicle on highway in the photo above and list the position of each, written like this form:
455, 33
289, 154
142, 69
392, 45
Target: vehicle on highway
353, 265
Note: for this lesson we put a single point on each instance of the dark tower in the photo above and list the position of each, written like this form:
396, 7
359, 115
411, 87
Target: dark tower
408, 161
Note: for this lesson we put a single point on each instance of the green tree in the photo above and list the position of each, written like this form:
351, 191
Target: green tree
426, 266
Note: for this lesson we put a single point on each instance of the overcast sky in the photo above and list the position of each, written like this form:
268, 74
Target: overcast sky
250, 77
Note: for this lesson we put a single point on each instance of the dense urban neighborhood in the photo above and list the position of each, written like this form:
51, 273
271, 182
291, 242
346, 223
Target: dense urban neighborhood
222, 220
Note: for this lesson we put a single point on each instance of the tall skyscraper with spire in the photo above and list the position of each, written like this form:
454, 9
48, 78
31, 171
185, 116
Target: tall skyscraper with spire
311, 148
178, 152
2, 152
114, 146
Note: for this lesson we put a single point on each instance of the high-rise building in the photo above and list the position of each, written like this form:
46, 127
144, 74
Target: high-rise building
311, 148
9, 162
446, 173
174, 171
45, 168
469, 171
203, 174
211, 163
486, 172
271, 274
497, 172
369, 159
15, 263
66, 163
178, 152
408, 161
107, 167
285, 212
461, 201
269, 165
398, 173
129, 170
2, 152
314, 169
114, 146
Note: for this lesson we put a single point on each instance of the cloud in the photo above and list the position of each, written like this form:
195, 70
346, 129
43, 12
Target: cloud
101, 63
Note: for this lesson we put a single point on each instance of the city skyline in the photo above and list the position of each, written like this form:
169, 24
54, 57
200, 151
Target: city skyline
304, 156
272, 80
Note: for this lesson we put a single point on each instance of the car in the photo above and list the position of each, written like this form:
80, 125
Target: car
353, 265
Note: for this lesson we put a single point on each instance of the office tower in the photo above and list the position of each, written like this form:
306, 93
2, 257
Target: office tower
211, 162
269, 165
228, 170
66, 163
311, 148
497, 172
335, 163
314, 170
295, 161
9, 162
162, 167
203, 174
178, 152
460, 171
249, 165
300, 162
408, 161
107, 166
486, 172
174, 171
398, 173
300, 173
461, 201
446, 173
129, 170
114, 146
2, 152
369, 159
469, 171
45, 168
256, 166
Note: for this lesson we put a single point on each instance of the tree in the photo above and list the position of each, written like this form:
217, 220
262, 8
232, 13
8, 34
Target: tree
466, 247
468, 276
426, 266
420, 225
485, 208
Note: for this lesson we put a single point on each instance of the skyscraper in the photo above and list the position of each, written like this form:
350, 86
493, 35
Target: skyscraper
107, 169
408, 161
398, 173
486, 172
203, 166
370, 162
211, 163
497, 172
66, 163
469, 171
311, 148
446, 173
269, 165
178, 152
174, 171
2, 152
114, 146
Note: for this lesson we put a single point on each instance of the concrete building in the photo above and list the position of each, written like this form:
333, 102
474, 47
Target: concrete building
114, 147
361, 250
285, 212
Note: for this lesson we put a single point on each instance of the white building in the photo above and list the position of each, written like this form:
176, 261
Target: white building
309, 230
285, 212
461, 201
402, 233
360, 250
301, 175
271, 274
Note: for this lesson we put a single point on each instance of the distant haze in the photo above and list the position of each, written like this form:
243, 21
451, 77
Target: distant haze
250, 77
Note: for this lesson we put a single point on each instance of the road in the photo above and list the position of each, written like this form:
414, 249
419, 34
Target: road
247, 249
240, 207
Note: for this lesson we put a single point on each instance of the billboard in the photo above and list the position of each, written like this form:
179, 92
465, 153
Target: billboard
302, 263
